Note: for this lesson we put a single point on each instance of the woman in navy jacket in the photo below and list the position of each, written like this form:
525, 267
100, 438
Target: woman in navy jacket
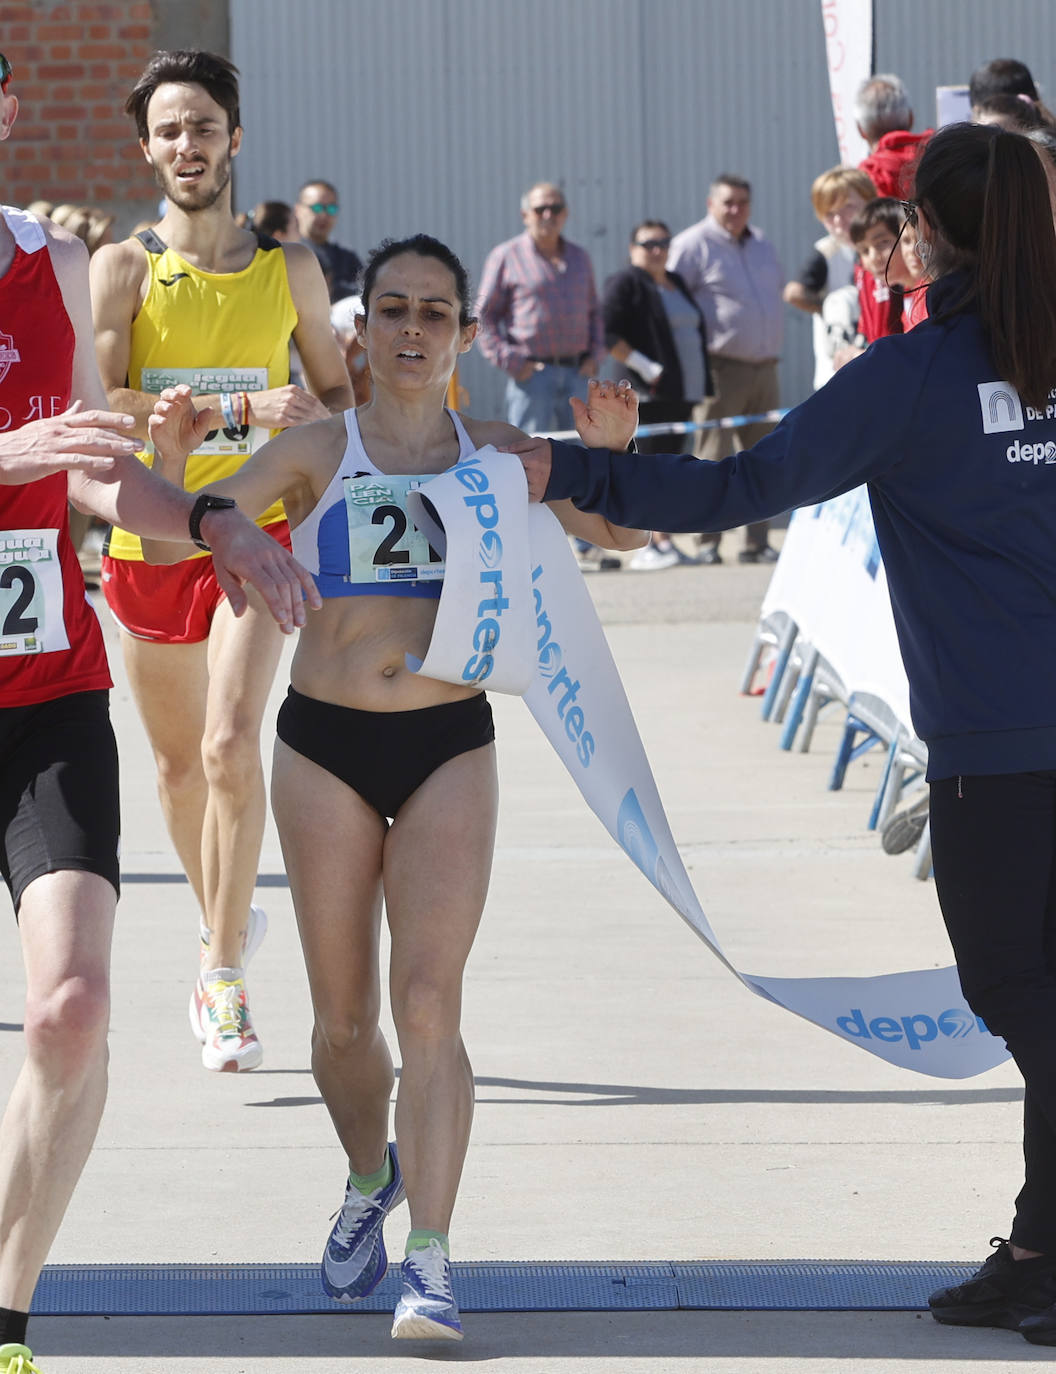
953, 427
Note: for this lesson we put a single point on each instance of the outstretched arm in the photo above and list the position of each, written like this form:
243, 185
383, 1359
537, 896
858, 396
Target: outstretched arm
607, 420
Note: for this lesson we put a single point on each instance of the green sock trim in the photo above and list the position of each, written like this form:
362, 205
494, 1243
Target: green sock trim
419, 1240
370, 1183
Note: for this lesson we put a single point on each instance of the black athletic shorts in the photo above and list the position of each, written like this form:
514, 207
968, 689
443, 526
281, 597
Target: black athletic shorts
383, 755
59, 805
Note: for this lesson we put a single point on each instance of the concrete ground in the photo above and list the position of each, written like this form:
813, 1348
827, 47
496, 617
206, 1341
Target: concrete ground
634, 1101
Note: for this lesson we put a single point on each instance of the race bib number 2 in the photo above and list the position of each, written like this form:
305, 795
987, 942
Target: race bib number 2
31, 619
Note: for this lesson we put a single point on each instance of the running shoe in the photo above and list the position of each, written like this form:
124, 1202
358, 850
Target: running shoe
354, 1261
427, 1310
652, 558
17, 1359
1002, 1292
256, 929
220, 1019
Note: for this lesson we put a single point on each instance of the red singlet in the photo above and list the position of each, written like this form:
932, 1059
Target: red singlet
51, 643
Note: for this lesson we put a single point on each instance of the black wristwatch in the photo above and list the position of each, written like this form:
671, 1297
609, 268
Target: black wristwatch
206, 502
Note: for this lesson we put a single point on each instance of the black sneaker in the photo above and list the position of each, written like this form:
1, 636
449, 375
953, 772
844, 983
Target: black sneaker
709, 556
1003, 1292
1041, 1328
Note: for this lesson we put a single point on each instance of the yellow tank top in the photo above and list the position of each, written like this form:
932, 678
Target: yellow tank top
216, 331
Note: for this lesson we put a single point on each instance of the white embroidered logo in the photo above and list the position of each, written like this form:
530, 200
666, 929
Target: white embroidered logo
1000, 406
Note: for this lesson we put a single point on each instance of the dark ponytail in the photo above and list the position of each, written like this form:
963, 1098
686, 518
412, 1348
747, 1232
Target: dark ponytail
984, 190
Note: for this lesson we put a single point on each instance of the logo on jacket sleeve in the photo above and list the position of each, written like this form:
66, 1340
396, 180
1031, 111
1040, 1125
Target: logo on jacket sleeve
1001, 407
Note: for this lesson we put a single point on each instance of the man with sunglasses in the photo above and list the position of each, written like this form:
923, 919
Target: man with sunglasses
58, 762
316, 211
540, 319
540, 323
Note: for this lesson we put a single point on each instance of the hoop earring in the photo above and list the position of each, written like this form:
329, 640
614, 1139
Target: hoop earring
922, 248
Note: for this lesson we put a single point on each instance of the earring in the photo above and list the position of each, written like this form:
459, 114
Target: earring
922, 248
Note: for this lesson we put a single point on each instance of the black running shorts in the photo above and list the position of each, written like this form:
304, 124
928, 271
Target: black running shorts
385, 756
59, 806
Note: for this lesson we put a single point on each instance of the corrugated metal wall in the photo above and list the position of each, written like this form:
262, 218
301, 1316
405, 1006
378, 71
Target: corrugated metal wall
434, 115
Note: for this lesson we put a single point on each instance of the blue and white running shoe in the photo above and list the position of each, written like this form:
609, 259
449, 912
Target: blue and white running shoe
354, 1261
427, 1310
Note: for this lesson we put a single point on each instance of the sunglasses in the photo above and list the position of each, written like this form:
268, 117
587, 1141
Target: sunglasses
653, 245
555, 208
5, 73
319, 209
909, 209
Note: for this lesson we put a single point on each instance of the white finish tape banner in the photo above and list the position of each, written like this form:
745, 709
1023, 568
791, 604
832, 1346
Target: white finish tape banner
916, 1020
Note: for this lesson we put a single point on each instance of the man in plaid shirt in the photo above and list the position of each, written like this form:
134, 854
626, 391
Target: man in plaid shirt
540, 319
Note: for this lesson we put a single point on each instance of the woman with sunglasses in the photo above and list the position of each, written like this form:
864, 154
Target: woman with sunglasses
657, 339
953, 427
364, 742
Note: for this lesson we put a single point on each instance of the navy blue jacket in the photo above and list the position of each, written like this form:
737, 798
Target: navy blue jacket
965, 515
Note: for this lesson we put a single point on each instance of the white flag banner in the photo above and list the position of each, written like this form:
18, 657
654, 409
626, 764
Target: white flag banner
830, 580
849, 54
917, 1020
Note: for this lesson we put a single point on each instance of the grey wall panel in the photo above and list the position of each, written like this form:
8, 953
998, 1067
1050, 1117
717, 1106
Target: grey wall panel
942, 42
436, 114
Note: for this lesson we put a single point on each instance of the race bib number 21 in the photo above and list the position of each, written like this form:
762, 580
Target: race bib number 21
31, 618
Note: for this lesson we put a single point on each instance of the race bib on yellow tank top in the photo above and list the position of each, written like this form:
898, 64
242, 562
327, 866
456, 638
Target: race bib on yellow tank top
384, 544
31, 597
205, 381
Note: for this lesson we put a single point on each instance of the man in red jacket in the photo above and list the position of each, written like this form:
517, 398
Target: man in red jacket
885, 117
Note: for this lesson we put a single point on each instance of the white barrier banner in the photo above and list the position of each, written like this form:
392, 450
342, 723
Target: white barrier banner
849, 54
830, 580
916, 1020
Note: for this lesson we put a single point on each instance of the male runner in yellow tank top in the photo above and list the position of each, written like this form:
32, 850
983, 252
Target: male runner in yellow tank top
197, 299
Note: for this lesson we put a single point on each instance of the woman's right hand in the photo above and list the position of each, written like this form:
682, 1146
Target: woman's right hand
609, 417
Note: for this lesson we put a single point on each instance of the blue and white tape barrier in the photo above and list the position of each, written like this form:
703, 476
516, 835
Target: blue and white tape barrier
688, 426
515, 616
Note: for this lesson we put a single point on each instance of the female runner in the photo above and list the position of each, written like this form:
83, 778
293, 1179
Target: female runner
363, 741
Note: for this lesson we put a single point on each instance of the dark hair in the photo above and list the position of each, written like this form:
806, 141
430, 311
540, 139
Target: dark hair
425, 247
216, 75
1002, 76
883, 210
648, 224
1005, 76
1014, 110
984, 191
731, 179
269, 217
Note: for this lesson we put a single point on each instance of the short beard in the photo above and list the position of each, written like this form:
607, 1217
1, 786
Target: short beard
197, 199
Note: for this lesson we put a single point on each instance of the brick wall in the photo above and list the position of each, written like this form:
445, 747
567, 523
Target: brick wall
74, 64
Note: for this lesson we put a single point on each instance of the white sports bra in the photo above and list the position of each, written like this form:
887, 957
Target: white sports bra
359, 539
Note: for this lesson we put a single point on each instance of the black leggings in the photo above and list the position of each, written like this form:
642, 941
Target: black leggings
994, 849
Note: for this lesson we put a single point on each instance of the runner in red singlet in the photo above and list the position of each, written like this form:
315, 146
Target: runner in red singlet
58, 763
